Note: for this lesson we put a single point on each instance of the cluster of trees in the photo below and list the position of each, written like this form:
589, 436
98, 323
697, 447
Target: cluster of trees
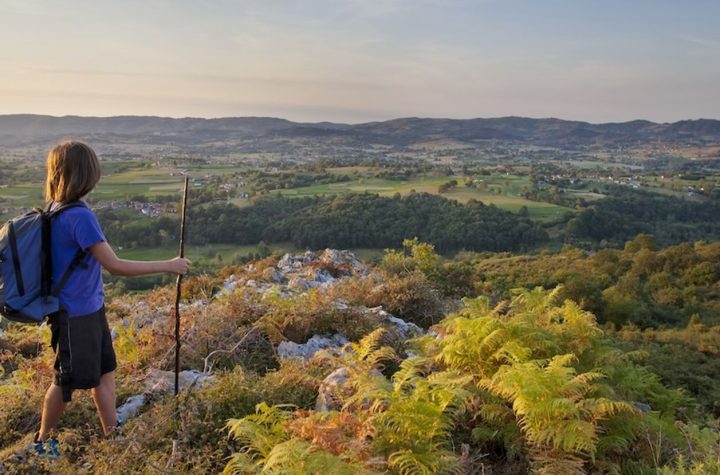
662, 304
14, 172
368, 220
636, 285
395, 174
626, 212
341, 221
405, 172
447, 186
128, 228
261, 181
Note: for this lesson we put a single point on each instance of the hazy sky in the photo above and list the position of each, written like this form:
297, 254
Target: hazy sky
362, 60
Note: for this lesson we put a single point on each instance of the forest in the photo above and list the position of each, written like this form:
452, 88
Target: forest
627, 212
346, 220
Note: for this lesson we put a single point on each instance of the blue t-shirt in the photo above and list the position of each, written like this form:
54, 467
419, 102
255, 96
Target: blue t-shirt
74, 229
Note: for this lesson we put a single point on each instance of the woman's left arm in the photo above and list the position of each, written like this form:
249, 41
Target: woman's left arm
116, 266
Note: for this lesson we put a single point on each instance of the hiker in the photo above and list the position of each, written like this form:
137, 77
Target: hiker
85, 358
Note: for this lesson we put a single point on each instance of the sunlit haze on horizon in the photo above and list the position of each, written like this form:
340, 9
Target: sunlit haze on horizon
362, 60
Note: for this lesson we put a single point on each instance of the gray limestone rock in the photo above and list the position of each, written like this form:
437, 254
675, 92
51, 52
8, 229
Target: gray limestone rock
131, 407
405, 329
289, 349
298, 283
158, 381
333, 390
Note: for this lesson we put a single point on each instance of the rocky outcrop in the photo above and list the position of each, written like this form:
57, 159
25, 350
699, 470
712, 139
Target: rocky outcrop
158, 381
405, 330
289, 349
297, 273
292, 275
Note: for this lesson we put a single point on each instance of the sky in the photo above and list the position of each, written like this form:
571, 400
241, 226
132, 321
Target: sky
362, 60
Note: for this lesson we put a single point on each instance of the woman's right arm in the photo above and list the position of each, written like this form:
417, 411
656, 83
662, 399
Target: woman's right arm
116, 266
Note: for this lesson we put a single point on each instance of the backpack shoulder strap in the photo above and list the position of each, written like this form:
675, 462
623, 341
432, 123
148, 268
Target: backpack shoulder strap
63, 207
78, 260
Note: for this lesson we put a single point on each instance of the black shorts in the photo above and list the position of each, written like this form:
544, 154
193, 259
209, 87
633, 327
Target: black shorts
91, 350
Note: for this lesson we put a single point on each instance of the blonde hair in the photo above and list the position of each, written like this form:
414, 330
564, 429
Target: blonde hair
73, 171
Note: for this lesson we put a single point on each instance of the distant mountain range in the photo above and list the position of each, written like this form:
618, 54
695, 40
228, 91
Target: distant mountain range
38, 130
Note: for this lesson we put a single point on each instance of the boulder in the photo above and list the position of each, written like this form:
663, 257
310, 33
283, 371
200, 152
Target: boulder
342, 259
289, 349
271, 274
130, 408
158, 381
230, 284
333, 390
289, 263
336, 388
405, 329
319, 277
196, 304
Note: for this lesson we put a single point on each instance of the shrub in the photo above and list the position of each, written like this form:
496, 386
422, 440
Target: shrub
411, 298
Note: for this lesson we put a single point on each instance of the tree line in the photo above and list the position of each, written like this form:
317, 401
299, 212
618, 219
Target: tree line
626, 213
341, 221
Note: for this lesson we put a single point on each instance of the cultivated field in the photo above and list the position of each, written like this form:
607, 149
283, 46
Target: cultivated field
504, 191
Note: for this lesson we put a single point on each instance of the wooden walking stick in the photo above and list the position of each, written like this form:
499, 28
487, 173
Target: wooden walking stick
177, 291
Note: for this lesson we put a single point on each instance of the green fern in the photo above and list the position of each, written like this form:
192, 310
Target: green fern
261, 432
415, 415
267, 448
536, 377
553, 406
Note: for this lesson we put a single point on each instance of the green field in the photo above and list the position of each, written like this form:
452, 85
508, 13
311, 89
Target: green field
147, 182
349, 170
504, 191
122, 185
586, 195
117, 186
125, 181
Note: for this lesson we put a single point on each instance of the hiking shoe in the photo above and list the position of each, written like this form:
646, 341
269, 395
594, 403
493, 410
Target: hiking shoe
53, 448
48, 448
117, 431
38, 448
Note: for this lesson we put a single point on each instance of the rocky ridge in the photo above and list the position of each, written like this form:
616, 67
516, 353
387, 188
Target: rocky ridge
293, 275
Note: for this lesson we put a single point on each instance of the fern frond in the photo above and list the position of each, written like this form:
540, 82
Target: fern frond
407, 462
410, 370
553, 463
286, 456
240, 464
478, 306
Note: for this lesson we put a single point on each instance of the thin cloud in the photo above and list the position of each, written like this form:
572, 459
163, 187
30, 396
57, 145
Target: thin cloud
699, 41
